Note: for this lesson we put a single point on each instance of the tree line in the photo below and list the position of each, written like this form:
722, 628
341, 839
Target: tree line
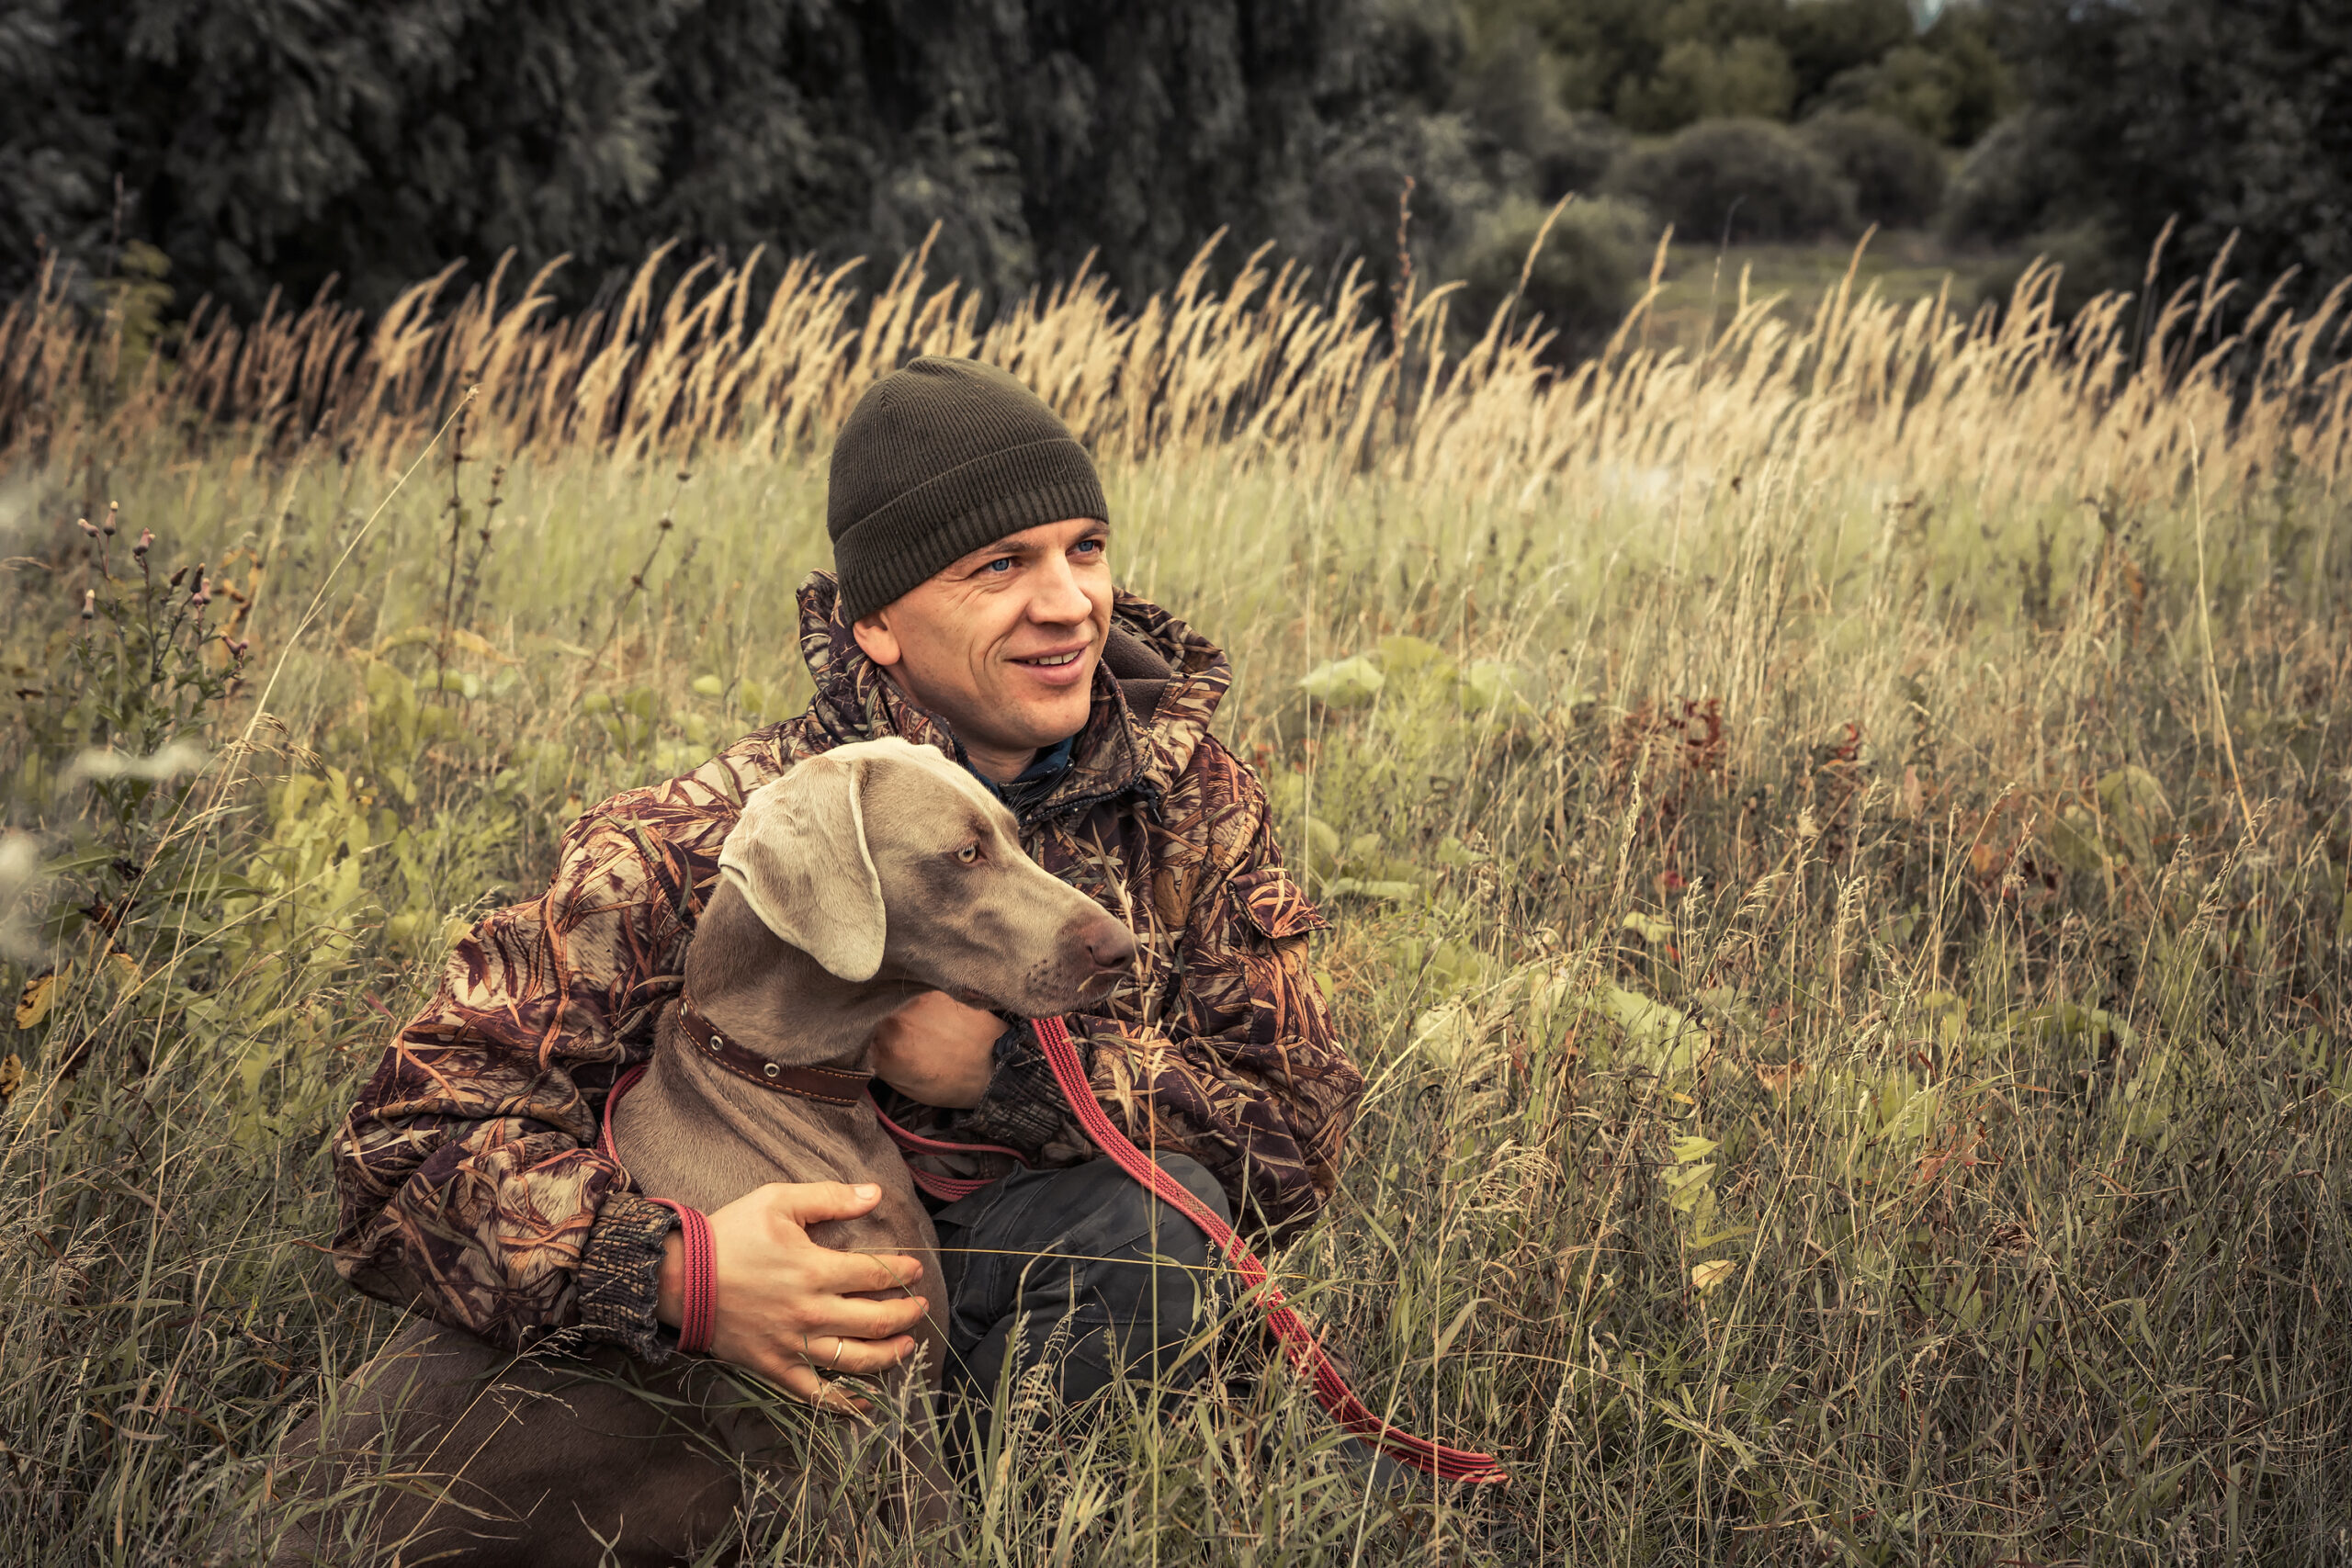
232, 147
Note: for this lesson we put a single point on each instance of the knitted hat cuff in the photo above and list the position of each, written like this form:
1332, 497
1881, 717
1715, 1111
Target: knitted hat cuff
928, 528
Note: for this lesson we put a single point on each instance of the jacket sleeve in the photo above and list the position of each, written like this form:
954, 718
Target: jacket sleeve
469, 1183
1244, 1073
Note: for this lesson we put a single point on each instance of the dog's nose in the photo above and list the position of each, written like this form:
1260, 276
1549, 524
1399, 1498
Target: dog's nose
1110, 946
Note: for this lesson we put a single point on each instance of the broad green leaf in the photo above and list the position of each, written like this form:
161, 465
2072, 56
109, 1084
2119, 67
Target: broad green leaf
2075, 839
1487, 686
1687, 1149
1443, 1034
708, 685
456, 637
1408, 655
1652, 929
2131, 790
1344, 683
1660, 1038
1386, 892
1454, 853
1707, 1275
1684, 1185
1322, 846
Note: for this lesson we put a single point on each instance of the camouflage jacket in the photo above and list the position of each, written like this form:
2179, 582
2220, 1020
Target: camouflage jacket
470, 1186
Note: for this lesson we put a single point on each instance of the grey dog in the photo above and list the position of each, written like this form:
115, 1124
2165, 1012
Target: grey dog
863, 877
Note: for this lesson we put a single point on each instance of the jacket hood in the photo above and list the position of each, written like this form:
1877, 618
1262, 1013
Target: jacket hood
1156, 689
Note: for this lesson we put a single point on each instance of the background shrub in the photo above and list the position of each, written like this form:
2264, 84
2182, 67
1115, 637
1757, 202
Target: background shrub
1582, 281
1576, 153
1511, 96
1749, 179
2009, 187
1698, 80
1897, 173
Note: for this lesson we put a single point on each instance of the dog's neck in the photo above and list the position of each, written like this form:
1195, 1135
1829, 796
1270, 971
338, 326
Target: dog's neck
771, 998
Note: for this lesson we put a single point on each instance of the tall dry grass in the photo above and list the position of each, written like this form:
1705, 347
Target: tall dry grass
1840, 845
2017, 399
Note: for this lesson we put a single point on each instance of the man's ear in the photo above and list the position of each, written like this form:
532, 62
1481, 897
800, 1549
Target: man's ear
876, 639
799, 856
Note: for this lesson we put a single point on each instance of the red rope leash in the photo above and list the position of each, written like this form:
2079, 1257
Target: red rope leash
698, 1291
946, 1188
1298, 1341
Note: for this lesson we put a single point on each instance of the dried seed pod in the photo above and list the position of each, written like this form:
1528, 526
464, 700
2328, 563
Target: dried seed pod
89, 604
86, 526
113, 516
146, 542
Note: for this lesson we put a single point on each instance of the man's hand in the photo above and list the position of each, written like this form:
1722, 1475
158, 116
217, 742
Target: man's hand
937, 1051
784, 1307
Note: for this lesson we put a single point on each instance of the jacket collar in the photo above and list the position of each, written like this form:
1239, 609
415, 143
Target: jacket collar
1155, 692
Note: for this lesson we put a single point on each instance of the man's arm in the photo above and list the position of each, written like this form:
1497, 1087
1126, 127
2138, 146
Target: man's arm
469, 1185
1246, 1075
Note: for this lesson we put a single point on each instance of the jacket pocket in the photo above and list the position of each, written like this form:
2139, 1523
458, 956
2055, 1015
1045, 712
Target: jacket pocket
1275, 906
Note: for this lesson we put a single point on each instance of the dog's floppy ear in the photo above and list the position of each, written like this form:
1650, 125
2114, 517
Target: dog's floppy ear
798, 855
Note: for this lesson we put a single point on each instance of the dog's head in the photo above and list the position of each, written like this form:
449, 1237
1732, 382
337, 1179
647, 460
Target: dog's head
886, 858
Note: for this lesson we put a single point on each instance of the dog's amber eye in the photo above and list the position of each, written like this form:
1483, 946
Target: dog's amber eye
969, 853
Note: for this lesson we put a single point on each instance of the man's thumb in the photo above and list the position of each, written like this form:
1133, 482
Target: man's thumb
809, 1201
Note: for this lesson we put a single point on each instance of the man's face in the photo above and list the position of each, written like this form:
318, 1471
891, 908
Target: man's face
1003, 644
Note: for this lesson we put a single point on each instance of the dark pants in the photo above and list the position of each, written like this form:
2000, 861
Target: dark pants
1087, 1247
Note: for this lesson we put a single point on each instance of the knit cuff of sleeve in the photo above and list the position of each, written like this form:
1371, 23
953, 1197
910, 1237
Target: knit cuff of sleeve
1022, 1107
620, 1276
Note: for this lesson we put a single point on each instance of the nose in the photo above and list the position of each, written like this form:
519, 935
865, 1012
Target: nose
1057, 600
1110, 946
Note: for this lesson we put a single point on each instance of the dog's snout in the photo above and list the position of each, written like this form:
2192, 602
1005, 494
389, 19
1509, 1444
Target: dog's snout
1110, 946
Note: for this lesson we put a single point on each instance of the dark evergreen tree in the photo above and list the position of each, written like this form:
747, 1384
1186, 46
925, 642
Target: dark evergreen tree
286, 140
269, 142
2231, 114
56, 149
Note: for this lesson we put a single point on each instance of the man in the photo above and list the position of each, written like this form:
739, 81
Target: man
972, 609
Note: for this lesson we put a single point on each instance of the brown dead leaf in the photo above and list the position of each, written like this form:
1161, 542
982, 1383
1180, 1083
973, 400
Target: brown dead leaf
33, 1004
1780, 1078
1911, 796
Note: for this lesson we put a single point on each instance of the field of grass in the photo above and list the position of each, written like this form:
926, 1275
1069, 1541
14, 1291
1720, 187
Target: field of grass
1700, 286
1838, 849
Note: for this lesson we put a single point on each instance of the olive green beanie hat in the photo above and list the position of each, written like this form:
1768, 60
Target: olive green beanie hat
935, 461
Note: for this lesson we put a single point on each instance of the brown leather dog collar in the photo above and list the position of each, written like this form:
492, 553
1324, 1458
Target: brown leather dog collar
827, 1086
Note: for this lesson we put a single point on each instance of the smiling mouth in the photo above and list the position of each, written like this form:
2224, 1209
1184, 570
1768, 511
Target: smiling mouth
1053, 660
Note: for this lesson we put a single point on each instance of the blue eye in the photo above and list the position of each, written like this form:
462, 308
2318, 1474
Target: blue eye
1001, 565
